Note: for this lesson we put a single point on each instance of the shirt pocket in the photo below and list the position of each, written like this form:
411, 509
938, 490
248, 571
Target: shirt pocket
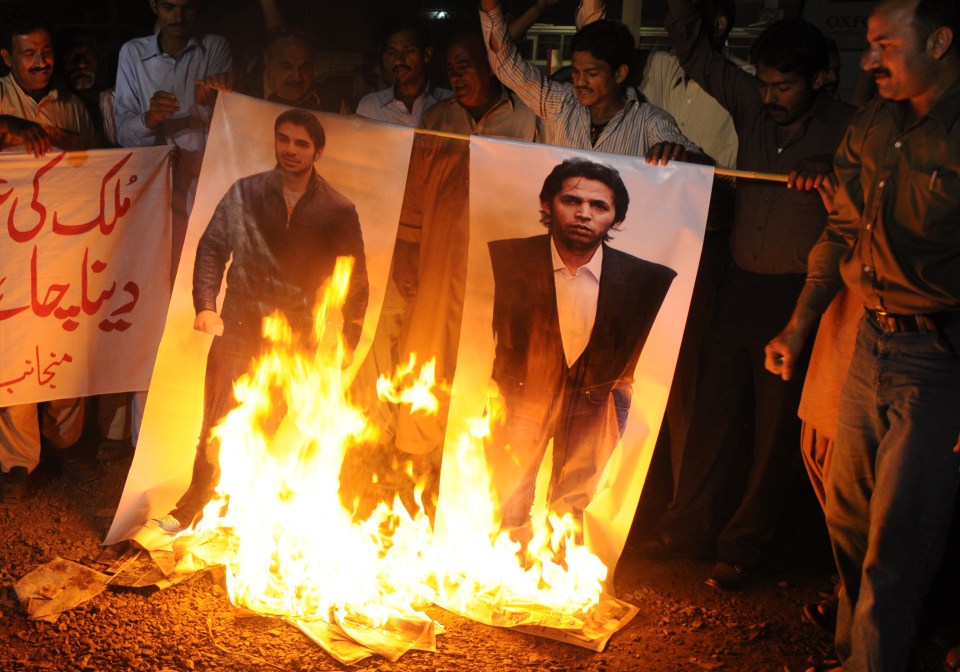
932, 204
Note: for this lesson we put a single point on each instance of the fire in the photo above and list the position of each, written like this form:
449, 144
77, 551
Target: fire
291, 548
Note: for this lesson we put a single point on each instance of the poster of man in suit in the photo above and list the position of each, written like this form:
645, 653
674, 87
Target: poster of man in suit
570, 317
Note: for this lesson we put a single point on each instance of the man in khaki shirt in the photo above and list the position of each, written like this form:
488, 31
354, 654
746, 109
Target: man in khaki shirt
38, 117
33, 112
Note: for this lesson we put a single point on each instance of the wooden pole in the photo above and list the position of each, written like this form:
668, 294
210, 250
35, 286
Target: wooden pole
727, 172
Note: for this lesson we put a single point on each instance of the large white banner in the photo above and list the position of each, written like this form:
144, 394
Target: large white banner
367, 163
639, 316
84, 271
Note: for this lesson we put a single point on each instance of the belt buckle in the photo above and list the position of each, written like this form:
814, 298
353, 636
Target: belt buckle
885, 321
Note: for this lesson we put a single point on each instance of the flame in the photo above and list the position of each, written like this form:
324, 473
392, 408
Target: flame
292, 549
483, 573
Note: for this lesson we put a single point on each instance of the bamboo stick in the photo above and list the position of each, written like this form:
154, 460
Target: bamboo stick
727, 172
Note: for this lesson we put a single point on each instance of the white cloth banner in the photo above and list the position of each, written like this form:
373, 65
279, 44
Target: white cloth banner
366, 162
84, 271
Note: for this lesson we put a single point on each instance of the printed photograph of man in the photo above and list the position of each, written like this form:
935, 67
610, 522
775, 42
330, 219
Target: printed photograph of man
282, 230
571, 315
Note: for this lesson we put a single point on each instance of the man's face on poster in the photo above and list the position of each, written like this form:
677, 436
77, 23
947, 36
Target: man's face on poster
296, 151
581, 214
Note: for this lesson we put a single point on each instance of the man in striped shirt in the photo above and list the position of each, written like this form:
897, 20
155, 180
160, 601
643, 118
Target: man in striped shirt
600, 110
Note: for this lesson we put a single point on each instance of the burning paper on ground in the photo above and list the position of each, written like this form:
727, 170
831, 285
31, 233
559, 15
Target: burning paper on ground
292, 549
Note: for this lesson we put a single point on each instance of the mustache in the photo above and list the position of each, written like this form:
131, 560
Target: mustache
775, 108
881, 72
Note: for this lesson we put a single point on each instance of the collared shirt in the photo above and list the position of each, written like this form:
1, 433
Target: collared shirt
632, 131
774, 227
894, 233
144, 69
59, 109
577, 295
508, 118
699, 116
384, 106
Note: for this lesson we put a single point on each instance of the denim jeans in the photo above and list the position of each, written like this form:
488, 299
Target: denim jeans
891, 488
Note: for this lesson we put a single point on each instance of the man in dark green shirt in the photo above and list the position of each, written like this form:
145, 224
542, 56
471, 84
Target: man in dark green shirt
893, 238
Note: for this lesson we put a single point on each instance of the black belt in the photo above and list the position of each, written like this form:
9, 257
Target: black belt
920, 323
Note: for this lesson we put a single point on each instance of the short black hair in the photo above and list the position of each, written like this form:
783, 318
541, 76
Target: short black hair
22, 23
420, 30
611, 42
932, 14
306, 120
792, 45
590, 170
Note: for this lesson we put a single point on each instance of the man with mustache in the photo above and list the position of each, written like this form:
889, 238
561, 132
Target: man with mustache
78, 64
406, 51
601, 110
785, 125
288, 73
893, 240
38, 117
166, 87
33, 112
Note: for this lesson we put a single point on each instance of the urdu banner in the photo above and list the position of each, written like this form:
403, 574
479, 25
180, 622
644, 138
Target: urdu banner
84, 277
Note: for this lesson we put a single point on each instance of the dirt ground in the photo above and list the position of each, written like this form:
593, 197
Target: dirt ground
682, 623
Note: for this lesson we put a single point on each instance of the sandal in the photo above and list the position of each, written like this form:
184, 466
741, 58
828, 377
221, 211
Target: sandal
16, 485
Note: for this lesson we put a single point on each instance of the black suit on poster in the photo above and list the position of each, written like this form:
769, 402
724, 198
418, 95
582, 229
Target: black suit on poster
583, 407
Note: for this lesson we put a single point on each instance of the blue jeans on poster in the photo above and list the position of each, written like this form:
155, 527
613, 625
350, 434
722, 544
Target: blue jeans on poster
891, 488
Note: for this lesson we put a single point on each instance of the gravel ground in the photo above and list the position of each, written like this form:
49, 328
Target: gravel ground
682, 624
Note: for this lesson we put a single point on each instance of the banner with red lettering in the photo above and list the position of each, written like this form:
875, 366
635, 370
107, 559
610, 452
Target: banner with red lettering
84, 271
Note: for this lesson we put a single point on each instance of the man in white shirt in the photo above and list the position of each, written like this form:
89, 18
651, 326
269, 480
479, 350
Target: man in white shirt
166, 86
569, 325
406, 53
600, 110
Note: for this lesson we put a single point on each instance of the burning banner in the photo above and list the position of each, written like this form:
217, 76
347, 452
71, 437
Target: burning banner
84, 282
370, 463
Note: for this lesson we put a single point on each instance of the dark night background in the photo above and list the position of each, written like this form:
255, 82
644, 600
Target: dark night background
345, 26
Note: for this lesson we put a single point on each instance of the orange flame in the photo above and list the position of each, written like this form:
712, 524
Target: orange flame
291, 547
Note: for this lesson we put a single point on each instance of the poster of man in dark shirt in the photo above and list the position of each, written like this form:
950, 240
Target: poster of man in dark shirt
282, 231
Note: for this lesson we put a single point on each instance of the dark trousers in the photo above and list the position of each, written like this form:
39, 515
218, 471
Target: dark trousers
229, 358
751, 309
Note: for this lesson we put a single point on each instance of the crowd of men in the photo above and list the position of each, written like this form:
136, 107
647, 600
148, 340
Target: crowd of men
863, 232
